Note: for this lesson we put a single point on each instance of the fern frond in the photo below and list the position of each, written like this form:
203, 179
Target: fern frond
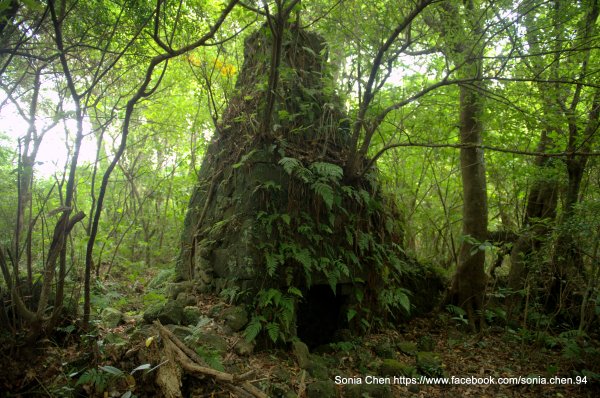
328, 171
303, 257
273, 260
273, 331
325, 192
290, 165
254, 327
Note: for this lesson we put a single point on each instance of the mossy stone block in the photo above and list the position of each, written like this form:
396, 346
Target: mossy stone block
429, 363
392, 367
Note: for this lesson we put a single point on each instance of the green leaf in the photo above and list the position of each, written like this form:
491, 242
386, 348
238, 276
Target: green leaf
303, 257
112, 370
403, 300
332, 279
33, 5
283, 114
309, 50
351, 314
87, 377
273, 331
349, 236
273, 260
244, 159
253, 329
328, 171
4, 4
455, 310
325, 192
359, 294
290, 165
363, 241
267, 297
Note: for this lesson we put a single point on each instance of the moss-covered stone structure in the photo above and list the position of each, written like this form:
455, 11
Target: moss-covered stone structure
272, 219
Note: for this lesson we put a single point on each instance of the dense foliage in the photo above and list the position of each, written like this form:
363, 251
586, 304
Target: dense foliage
477, 120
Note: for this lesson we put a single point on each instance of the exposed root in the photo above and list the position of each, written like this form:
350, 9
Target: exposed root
194, 365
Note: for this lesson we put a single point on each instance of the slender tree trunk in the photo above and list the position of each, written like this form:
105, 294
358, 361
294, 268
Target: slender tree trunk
540, 210
568, 258
27, 157
542, 197
469, 282
144, 90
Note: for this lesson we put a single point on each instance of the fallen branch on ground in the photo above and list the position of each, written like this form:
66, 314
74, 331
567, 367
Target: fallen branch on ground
193, 364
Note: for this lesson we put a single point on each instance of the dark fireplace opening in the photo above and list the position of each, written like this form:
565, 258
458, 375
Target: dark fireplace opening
320, 315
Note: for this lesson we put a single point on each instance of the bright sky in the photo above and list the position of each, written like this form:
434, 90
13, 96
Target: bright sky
53, 153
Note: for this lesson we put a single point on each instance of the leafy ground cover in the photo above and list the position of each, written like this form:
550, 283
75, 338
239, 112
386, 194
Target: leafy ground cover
129, 358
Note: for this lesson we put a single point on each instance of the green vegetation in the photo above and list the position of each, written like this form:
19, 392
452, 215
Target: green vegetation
271, 171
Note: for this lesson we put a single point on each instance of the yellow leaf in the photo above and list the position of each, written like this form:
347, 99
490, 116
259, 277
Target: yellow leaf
149, 341
195, 61
130, 382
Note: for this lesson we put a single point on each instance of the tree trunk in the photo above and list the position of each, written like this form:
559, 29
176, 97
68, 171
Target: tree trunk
567, 262
468, 287
541, 209
469, 282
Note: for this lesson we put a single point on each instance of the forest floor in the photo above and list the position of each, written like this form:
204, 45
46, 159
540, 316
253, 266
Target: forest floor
103, 362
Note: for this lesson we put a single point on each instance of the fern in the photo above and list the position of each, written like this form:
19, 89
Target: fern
244, 159
98, 380
351, 258
349, 191
268, 297
287, 310
273, 260
455, 310
572, 334
294, 167
303, 257
325, 192
351, 314
273, 331
290, 165
278, 309
401, 298
254, 327
399, 265
211, 357
363, 241
349, 236
364, 198
332, 278
459, 314
329, 171
342, 268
